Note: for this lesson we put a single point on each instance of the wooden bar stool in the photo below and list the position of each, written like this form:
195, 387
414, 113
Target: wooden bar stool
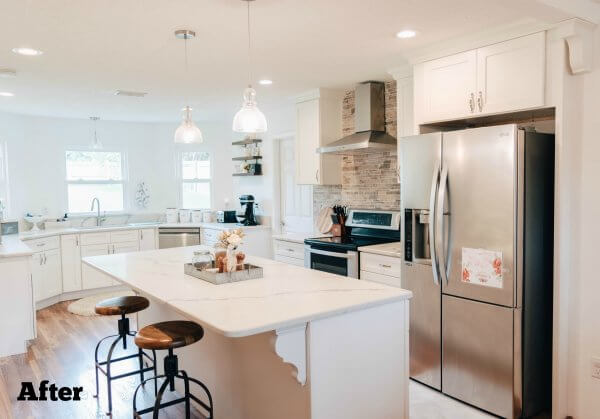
121, 306
168, 336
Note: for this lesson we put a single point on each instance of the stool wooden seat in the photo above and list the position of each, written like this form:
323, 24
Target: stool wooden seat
169, 335
122, 305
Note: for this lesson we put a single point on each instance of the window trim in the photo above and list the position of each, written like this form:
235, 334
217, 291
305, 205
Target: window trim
4, 177
124, 181
180, 181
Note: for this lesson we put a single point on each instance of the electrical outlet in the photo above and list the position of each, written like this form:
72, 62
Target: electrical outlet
596, 368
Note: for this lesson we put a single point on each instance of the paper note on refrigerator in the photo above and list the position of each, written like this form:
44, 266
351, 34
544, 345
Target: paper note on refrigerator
482, 267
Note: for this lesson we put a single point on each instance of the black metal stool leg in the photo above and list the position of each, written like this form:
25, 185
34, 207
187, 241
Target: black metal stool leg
186, 383
159, 398
108, 377
96, 361
208, 407
155, 374
141, 362
142, 384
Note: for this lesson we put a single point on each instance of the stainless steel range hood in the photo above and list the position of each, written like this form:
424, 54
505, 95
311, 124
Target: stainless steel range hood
369, 124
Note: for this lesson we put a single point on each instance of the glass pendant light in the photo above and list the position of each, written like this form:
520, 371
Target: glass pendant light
187, 132
249, 119
96, 144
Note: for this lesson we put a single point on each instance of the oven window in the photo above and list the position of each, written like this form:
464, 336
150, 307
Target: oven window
330, 264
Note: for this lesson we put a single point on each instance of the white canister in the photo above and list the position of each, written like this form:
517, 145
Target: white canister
171, 215
197, 216
184, 215
207, 217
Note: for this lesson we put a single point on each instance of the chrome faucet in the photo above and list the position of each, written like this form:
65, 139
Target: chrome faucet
98, 219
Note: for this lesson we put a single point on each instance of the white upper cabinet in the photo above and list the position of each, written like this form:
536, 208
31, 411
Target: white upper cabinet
511, 75
449, 86
504, 77
318, 123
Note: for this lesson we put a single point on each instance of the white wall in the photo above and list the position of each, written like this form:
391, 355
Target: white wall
36, 164
584, 301
265, 188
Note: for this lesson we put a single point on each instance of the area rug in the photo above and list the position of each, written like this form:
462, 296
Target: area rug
85, 306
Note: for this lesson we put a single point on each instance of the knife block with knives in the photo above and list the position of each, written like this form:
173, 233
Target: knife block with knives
339, 221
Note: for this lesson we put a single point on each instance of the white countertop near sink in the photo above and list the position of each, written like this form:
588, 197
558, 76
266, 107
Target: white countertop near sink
287, 295
393, 249
12, 246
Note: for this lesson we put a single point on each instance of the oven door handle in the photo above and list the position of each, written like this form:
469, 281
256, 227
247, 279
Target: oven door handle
349, 255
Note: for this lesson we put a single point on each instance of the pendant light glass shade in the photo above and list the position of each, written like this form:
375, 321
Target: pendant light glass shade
249, 119
188, 132
96, 144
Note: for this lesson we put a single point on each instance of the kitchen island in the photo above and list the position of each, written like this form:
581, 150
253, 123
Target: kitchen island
297, 343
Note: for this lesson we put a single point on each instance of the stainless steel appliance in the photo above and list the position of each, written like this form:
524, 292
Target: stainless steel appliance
478, 246
339, 255
178, 237
369, 124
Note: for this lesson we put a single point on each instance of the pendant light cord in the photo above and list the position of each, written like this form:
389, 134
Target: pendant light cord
249, 47
187, 77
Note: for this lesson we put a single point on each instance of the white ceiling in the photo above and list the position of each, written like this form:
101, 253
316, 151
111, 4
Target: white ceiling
92, 48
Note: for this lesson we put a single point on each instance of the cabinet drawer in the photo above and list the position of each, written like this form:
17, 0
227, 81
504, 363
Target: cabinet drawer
289, 249
123, 236
94, 238
382, 279
289, 260
379, 264
46, 243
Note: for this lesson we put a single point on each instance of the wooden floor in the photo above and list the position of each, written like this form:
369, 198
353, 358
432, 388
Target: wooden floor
63, 353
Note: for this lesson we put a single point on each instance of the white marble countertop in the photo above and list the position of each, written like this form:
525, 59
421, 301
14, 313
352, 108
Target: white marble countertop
214, 226
386, 249
286, 296
12, 246
297, 237
30, 235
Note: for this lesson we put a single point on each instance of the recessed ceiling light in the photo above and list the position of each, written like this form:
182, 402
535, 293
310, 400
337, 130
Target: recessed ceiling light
130, 93
27, 51
265, 82
405, 34
7, 94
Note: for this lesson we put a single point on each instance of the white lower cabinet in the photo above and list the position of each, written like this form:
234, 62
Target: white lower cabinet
90, 277
289, 252
46, 274
379, 268
147, 238
71, 262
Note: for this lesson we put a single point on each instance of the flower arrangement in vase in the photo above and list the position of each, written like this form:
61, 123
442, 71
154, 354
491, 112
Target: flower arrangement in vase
229, 240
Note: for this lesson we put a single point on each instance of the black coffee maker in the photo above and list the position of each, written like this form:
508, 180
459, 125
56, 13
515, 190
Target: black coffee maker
248, 219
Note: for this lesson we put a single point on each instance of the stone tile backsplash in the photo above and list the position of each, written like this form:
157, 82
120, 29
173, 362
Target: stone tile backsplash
368, 180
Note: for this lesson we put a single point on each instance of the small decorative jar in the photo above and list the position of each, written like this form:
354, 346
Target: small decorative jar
202, 260
240, 256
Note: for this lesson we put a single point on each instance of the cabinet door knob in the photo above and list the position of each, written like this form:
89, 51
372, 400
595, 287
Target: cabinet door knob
480, 101
472, 102
317, 175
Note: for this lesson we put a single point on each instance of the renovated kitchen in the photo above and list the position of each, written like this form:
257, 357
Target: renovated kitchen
257, 209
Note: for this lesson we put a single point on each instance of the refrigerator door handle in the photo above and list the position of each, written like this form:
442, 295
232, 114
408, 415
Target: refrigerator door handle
439, 225
432, 224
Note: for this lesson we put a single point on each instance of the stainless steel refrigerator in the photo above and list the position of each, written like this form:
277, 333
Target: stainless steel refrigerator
478, 250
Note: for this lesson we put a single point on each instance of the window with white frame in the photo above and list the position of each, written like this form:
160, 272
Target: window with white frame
3, 181
94, 174
195, 179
